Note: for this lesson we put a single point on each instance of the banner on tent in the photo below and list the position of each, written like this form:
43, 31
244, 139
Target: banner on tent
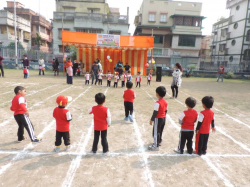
108, 40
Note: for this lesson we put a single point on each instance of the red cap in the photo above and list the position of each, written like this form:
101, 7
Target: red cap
116, 73
63, 100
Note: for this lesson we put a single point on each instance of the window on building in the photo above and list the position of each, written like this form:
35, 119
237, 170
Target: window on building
37, 28
66, 49
42, 29
238, 7
231, 58
233, 42
163, 18
235, 25
158, 39
249, 18
246, 54
248, 36
224, 32
151, 17
187, 41
95, 31
69, 9
222, 47
93, 11
81, 30
3, 29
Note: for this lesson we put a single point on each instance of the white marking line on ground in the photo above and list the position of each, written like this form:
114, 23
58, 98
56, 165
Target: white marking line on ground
47, 128
209, 163
234, 119
76, 162
37, 104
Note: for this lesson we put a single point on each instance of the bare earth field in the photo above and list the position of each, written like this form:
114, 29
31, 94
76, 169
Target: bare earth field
129, 163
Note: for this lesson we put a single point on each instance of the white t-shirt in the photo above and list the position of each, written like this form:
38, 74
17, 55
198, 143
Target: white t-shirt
100, 75
87, 77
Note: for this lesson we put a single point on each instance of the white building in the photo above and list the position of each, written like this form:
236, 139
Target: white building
7, 31
231, 38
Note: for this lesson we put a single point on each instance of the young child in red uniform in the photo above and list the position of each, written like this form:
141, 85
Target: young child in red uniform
63, 118
187, 121
116, 79
129, 96
205, 120
102, 120
78, 71
159, 118
138, 79
149, 77
21, 115
25, 72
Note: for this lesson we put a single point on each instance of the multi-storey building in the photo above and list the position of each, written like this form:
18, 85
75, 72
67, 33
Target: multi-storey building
205, 52
39, 25
231, 38
176, 26
92, 16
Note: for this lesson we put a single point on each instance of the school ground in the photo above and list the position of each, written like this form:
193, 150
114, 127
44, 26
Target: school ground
129, 163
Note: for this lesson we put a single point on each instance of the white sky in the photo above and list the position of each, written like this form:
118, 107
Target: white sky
212, 9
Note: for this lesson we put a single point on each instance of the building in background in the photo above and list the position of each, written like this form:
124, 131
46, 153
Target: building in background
231, 38
91, 16
176, 26
39, 25
205, 52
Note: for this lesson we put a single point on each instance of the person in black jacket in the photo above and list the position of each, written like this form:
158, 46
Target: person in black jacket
1, 66
26, 64
56, 67
75, 66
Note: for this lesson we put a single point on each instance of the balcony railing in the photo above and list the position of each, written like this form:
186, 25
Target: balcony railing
160, 52
91, 17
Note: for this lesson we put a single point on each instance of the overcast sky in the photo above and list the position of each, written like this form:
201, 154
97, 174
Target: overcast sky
212, 9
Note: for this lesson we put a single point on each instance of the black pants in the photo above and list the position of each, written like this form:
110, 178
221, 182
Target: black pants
203, 139
149, 82
56, 73
123, 84
65, 136
115, 84
186, 136
86, 82
159, 125
78, 73
2, 72
74, 71
105, 146
69, 79
99, 81
40, 72
94, 77
175, 91
25, 75
108, 83
129, 108
23, 121
138, 83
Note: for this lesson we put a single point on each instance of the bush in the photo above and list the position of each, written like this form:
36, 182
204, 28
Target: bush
230, 75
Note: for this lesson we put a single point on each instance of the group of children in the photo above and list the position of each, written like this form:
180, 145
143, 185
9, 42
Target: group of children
102, 120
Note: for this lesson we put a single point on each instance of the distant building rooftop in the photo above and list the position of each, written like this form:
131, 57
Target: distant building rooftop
114, 10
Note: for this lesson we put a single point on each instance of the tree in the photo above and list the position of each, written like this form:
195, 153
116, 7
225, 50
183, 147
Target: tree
12, 45
73, 52
38, 41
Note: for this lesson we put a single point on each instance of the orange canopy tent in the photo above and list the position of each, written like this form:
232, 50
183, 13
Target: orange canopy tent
132, 50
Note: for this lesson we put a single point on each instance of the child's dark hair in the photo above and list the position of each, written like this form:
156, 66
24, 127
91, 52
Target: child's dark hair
139, 72
208, 101
87, 71
68, 58
129, 71
161, 90
18, 88
129, 84
191, 102
178, 65
100, 98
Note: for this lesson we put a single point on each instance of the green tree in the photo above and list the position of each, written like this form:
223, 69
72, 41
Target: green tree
12, 46
38, 40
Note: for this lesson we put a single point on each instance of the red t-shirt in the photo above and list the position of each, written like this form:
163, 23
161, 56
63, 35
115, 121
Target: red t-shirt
161, 106
189, 117
63, 118
102, 117
19, 105
206, 117
24, 70
129, 95
138, 78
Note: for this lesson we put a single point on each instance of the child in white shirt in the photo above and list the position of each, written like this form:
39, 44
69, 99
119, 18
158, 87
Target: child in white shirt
87, 78
100, 75
116, 79
109, 78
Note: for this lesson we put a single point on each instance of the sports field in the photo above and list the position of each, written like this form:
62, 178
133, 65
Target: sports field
129, 163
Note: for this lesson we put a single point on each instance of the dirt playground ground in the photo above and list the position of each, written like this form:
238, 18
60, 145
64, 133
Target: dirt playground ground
129, 163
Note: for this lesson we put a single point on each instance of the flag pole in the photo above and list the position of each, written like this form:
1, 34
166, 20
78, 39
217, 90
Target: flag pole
16, 58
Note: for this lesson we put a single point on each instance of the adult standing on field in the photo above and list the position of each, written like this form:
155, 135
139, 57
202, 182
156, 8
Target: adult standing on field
69, 70
41, 65
94, 71
177, 80
56, 67
26, 64
1, 66
221, 71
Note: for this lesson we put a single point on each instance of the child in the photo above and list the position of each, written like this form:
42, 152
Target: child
63, 118
21, 115
129, 76
159, 118
109, 78
116, 79
87, 78
138, 79
78, 71
123, 78
102, 120
187, 120
100, 75
149, 77
25, 72
205, 120
129, 96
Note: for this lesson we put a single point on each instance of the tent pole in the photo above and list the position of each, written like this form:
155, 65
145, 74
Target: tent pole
151, 60
63, 62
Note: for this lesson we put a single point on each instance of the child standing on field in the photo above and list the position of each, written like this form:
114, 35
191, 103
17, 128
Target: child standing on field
159, 118
63, 118
187, 121
21, 115
138, 79
116, 79
123, 78
100, 75
129, 76
78, 71
25, 72
129, 96
205, 120
102, 120
109, 78
149, 78
87, 78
